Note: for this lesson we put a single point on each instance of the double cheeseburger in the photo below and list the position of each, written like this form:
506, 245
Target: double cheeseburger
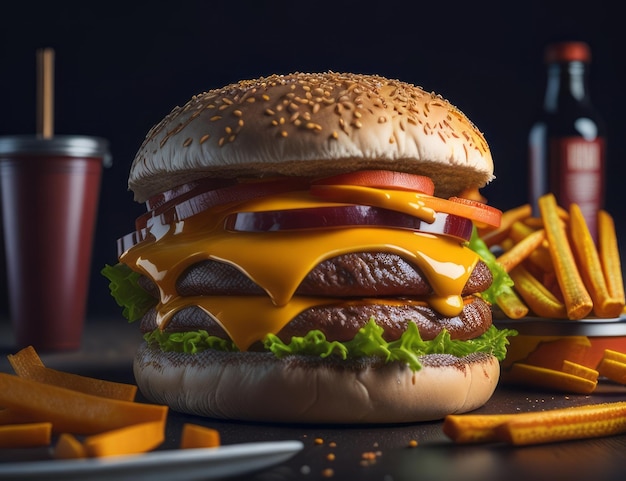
304, 255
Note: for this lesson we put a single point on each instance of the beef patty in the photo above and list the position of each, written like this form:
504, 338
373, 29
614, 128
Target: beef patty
352, 278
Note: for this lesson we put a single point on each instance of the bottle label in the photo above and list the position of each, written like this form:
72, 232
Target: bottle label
577, 175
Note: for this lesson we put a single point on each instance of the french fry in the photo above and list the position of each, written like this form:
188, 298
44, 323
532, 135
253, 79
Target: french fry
614, 355
135, 439
566, 424
512, 306
613, 366
27, 364
584, 248
577, 422
474, 428
579, 370
492, 237
609, 255
544, 378
73, 411
69, 447
578, 302
28, 435
196, 436
10, 416
521, 251
540, 257
613, 370
540, 300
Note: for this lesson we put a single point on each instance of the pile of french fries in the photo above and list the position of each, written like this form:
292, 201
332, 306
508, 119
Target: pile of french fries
80, 416
559, 270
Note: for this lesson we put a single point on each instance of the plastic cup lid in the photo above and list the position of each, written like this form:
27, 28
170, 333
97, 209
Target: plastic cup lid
69, 145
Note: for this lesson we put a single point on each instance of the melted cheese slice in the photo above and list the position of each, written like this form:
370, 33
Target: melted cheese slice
278, 261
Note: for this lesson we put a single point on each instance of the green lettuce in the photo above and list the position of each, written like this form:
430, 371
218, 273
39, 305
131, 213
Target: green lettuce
367, 342
502, 282
127, 292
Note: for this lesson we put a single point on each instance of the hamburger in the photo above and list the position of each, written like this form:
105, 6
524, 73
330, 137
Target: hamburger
304, 255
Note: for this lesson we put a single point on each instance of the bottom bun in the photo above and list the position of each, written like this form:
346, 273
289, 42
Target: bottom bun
260, 387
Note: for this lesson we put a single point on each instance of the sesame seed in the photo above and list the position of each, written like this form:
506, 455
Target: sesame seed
228, 130
237, 113
215, 117
382, 120
227, 101
334, 135
269, 112
204, 138
265, 97
283, 133
187, 142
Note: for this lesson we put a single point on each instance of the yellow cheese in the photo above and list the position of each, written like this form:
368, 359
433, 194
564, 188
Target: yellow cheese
278, 261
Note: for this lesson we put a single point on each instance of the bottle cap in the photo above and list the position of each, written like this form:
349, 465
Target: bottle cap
568, 52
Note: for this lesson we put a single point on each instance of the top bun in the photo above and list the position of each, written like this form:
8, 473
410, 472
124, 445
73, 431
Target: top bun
313, 124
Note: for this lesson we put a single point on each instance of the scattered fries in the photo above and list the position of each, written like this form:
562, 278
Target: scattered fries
558, 270
546, 378
73, 411
581, 422
27, 364
547, 368
92, 417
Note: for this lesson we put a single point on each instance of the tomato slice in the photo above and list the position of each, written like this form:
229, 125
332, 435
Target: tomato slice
382, 179
484, 214
418, 204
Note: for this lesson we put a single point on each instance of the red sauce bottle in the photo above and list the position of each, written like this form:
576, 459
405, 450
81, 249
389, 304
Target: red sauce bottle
567, 143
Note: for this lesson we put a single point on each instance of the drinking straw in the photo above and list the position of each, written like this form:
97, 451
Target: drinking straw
45, 92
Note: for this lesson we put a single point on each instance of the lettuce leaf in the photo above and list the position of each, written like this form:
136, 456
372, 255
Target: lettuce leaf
367, 342
502, 282
128, 294
189, 342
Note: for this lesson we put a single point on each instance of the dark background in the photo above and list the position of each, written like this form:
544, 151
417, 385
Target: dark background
121, 67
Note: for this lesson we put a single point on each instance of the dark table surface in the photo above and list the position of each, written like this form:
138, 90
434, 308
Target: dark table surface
362, 452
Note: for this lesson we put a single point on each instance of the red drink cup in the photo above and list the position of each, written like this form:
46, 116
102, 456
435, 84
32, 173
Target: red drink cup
50, 190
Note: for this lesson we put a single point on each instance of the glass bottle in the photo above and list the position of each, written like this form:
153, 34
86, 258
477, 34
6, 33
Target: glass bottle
567, 143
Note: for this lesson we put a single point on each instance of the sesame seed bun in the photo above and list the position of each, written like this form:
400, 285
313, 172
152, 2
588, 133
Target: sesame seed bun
313, 124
